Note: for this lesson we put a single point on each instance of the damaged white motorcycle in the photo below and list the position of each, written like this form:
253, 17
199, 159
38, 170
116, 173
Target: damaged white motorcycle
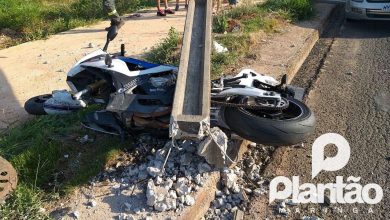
137, 97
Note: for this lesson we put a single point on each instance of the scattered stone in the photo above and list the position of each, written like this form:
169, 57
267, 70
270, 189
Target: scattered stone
84, 139
311, 218
283, 211
161, 207
92, 203
290, 202
122, 216
218, 193
172, 194
258, 192
127, 207
91, 45
198, 180
76, 214
189, 200
186, 159
204, 168
45, 62
228, 206
168, 184
183, 190
229, 179
159, 180
153, 171
220, 202
248, 191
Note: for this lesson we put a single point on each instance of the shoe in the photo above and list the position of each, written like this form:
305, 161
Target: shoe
118, 22
177, 7
161, 13
169, 11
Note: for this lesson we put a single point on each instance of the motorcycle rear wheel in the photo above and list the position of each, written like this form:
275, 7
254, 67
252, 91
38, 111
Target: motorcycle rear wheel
34, 105
292, 125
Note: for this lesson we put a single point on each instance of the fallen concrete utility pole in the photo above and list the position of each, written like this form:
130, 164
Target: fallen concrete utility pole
191, 106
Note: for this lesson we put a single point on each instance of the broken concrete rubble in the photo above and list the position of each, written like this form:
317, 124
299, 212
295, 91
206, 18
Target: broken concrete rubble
213, 148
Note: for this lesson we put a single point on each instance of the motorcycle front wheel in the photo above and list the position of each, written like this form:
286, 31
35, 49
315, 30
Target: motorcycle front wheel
280, 128
34, 106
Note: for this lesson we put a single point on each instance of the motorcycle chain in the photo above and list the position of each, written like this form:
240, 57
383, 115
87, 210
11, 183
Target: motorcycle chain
251, 107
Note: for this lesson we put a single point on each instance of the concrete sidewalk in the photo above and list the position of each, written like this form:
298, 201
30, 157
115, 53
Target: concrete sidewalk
38, 67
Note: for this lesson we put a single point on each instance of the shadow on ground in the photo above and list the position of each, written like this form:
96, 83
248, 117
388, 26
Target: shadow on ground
7, 104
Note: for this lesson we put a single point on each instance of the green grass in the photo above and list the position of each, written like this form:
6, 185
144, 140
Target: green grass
167, 51
36, 19
24, 203
36, 149
237, 44
295, 9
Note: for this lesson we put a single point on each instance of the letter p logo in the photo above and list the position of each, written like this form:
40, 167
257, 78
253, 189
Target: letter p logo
337, 162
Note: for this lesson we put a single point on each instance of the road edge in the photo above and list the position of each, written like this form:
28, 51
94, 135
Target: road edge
295, 63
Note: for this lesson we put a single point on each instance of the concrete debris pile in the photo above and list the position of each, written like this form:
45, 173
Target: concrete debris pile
150, 188
239, 184
171, 187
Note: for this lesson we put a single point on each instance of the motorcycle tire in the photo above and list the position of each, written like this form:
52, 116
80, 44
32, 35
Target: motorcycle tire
273, 132
34, 106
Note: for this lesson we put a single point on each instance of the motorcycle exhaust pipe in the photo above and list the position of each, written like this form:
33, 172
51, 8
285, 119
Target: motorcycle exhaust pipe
90, 89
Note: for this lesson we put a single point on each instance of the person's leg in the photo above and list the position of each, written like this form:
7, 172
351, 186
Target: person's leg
159, 11
167, 9
110, 10
158, 5
177, 5
186, 4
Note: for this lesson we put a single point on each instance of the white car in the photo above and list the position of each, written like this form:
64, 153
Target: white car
367, 9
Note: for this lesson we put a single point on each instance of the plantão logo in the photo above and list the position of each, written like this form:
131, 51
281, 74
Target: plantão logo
339, 192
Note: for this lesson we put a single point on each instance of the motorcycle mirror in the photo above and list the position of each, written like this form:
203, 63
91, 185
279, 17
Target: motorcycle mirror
108, 60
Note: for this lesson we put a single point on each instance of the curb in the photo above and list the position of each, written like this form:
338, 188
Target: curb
295, 63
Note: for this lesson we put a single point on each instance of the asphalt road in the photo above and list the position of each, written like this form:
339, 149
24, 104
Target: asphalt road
348, 78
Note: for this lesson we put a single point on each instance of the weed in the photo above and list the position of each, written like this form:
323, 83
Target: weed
167, 51
220, 23
296, 9
237, 45
25, 202
36, 149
